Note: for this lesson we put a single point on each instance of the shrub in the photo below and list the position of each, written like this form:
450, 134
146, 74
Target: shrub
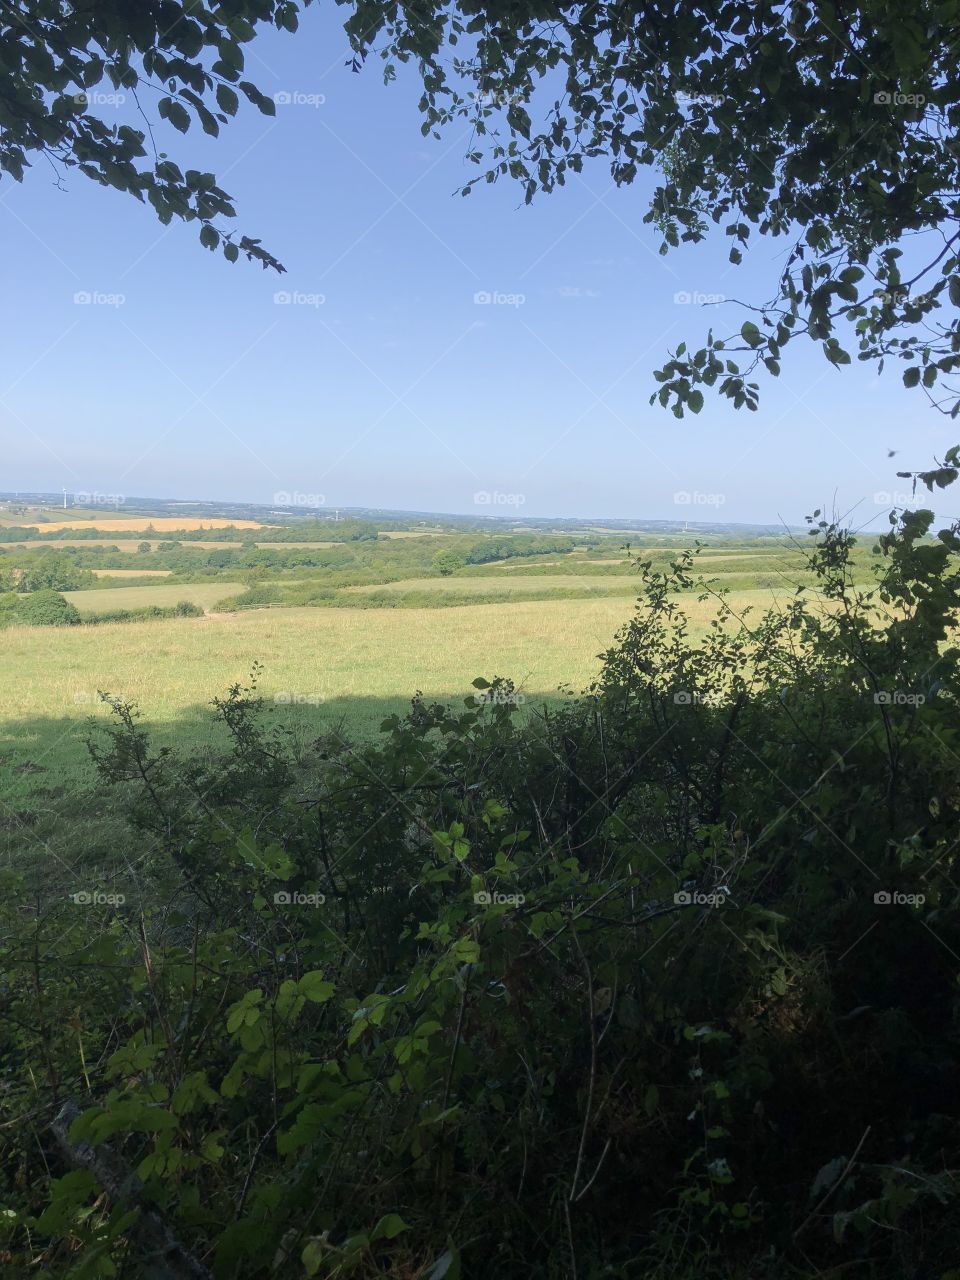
659, 984
48, 608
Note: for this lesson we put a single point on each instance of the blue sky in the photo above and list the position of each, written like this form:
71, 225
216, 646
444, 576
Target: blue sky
398, 389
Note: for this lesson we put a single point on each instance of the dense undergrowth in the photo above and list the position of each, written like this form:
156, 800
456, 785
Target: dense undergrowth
659, 984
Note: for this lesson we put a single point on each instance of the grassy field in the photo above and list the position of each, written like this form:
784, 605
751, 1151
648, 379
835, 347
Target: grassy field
357, 665
105, 600
342, 664
493, 584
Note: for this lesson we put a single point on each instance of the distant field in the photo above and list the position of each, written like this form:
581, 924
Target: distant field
136, 523
281, 546
411, 533
493, 583
107, 599
132, 573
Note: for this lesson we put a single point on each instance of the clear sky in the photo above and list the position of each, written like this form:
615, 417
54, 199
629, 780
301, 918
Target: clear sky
397, 389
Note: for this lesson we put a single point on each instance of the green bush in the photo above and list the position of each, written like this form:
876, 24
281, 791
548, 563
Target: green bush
661, 984
48, 608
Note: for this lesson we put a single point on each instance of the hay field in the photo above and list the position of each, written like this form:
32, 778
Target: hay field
135, 524
132, 573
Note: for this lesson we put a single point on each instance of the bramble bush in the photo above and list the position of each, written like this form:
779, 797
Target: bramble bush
47, 608
662, 983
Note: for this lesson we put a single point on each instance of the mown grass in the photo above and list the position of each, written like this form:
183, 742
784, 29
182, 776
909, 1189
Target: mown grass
107, 599
354, 666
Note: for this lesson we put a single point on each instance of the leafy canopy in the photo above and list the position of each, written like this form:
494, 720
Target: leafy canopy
178, 62
834, 128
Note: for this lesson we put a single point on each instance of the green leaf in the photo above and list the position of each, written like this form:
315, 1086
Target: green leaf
912, 376
227, 100
695, 401
751, 334
175, 112
315, 987
389, 1226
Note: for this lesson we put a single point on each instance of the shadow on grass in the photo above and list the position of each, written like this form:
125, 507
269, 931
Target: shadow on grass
53, 805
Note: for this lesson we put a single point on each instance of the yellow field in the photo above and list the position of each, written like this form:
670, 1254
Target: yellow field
132, 573
107, 599
136, 523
